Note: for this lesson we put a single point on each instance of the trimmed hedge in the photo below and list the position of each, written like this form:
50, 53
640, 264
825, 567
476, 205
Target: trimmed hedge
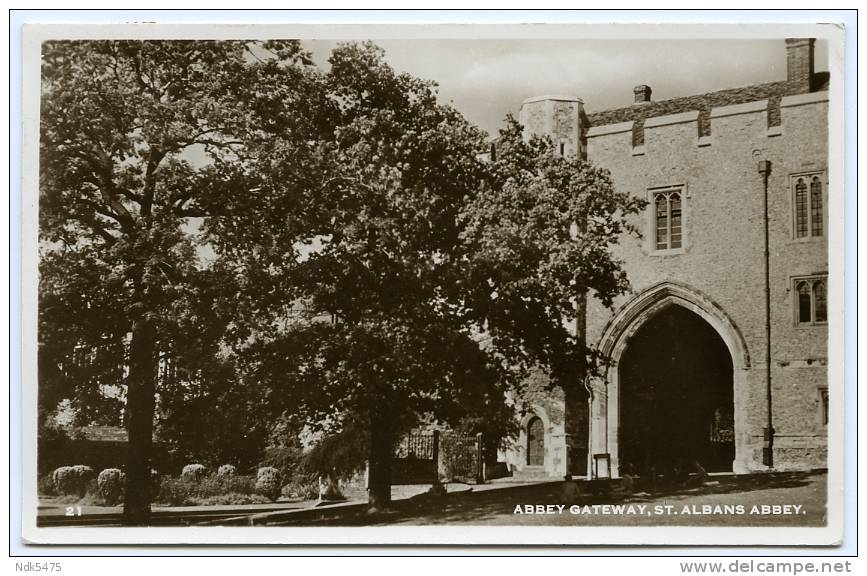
193, 472
110, 484
268, 482
72, 480
212, 489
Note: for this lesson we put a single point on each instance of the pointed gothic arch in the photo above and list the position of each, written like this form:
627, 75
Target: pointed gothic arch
627, 320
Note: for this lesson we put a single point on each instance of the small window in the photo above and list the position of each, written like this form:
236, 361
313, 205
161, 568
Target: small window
811, 305
668, 219
809, 201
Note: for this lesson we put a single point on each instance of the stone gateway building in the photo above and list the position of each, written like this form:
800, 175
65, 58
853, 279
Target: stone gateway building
718, 353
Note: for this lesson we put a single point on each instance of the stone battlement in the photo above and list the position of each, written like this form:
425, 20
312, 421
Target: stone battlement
729, 124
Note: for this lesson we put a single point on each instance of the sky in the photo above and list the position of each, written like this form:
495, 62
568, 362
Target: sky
485, 79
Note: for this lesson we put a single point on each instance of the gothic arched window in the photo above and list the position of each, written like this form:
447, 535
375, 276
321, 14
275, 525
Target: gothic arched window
668, 219
812, 300
809, 206
815, 206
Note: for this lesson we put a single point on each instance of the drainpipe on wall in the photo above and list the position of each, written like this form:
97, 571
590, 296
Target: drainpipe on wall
591, 473
768, 448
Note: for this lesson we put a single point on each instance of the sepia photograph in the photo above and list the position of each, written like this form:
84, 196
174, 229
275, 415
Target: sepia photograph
433, 284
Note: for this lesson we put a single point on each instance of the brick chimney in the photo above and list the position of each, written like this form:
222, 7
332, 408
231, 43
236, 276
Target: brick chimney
642, 93
799, 58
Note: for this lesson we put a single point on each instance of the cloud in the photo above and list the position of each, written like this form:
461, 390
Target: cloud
485, 79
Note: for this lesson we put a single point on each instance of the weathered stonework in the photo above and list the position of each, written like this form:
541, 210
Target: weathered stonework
548, 405
708, 145
559, 117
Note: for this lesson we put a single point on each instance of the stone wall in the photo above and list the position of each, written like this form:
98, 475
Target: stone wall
722, 254
540, 401
708, 146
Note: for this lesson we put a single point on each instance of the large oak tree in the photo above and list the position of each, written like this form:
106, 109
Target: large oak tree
395, 344
134, 136
335, 237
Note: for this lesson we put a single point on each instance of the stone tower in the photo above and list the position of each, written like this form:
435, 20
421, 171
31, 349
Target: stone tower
561, 118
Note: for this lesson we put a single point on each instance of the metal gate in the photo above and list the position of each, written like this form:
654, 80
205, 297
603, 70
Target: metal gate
414, 459
423, 456
462, 457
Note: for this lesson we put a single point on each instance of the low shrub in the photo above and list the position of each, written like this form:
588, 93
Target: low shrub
302, 486
218, 485
83, 472
226, 470
110, 485
212, 489
286, 459
232, 499
268, 482
45, 486
72, 480
193, 472
175, 491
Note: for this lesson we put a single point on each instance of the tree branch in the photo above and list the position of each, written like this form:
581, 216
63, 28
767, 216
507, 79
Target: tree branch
197, 139
192, 212
103, 168
103, 233
103, 211
253, 54
138, 73
150, 181
355, 181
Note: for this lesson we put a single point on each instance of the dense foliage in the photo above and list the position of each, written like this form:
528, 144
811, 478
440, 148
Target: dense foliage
110, 484
539, 239
235, 242
135, 136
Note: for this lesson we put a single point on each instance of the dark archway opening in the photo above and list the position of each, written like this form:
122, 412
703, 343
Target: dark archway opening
676, 397
535, 442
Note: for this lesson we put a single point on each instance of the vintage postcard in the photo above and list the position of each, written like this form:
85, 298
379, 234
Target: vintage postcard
433, 284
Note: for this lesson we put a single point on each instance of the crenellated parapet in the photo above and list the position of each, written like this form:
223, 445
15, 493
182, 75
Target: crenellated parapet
726, 126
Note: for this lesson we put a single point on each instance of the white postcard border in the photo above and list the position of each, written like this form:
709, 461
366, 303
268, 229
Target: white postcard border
451, 535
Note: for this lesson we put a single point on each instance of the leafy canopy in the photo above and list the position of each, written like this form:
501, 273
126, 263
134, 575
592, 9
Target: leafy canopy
537, 238
400, 166
135, 137
329, 245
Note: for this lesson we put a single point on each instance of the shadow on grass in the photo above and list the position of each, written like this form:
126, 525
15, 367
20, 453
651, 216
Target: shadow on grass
497, 505
729, 484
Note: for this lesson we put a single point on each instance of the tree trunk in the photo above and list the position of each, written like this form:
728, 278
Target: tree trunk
379, 468
140, 405
575, 395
